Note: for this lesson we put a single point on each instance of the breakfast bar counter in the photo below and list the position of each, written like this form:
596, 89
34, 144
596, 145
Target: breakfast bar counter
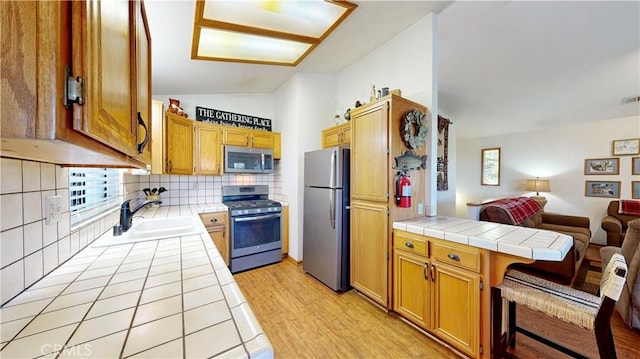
444, 268
171, 297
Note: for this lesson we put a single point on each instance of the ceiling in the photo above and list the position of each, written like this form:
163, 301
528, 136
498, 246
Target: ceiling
504, 67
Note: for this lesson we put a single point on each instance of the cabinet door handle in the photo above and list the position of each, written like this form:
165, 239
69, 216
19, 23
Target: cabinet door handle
454, 257
146, 133
433, 277
426, 271
409, 244
213, 220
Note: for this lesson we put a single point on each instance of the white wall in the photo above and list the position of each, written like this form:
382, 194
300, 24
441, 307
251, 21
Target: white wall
305, 105
259, 105
556, 154
407, 62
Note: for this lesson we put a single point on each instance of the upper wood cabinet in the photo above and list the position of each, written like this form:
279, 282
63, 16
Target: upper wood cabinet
337, 135
98, 42
145, 138
191, 147
207, 150
238, 136
178, 145
277, 146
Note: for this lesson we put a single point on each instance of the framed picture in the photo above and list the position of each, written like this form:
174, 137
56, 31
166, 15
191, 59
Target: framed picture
602, 166
635, 189
626, 147
490, 167
605, 189
635, 165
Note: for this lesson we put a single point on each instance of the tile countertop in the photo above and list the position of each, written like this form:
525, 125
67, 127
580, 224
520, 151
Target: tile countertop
524, 242
169, 298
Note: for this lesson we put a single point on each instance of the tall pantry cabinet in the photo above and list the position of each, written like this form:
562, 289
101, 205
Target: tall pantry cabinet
375, 143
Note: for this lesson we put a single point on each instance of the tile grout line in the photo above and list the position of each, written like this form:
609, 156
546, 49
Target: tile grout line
95, 300
46, 306
135, 311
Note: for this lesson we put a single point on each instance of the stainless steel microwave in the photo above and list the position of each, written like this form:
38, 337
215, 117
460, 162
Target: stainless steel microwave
247, 160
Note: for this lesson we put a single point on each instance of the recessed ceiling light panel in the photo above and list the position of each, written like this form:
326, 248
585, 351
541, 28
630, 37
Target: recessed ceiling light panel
278, 32
220, 44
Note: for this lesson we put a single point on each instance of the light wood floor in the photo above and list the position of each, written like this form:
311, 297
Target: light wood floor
305, 319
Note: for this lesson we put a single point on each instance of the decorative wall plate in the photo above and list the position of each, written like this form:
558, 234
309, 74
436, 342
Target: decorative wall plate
413, 130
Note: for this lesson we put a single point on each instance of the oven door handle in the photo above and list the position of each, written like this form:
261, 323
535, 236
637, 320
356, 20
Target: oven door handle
255, 218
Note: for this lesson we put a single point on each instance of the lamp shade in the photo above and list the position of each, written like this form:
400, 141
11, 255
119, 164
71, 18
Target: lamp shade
538, 185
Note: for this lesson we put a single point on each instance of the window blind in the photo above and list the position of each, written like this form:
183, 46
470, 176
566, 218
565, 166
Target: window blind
92, 191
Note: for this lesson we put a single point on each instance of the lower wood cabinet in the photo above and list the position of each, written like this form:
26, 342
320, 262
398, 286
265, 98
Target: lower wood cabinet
369, 250
216, 225
437, 286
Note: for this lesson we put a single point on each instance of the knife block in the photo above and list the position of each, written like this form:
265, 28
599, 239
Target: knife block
154, 197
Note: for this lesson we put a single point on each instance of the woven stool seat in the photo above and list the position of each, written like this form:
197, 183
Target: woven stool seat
567, 304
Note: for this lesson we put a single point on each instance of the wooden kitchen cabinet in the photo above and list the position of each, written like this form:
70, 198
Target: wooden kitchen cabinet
91, 39
143, 72
412, 288
375, 142
337, 135
178, 144
207, 150
277, 146
437, 286
369, 251
217, 225
244, 137
456, 307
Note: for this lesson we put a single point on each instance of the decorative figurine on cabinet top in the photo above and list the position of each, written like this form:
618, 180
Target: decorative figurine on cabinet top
174, 107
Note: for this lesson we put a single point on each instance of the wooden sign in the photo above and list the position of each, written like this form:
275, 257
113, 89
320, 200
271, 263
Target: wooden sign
232, 119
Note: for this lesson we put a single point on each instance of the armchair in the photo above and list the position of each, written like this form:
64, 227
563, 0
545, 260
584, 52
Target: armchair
629, 303
615, 224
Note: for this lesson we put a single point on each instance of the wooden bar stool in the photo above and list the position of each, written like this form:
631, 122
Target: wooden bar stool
573, 306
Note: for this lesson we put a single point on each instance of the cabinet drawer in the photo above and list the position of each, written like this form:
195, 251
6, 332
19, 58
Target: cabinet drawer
411, 244
468, 258
214, 219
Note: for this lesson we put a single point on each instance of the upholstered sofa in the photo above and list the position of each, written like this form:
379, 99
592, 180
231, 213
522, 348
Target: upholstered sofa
629, 303
615, 224
574, 226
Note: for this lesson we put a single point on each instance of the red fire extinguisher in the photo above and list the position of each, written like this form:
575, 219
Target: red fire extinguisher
403, 191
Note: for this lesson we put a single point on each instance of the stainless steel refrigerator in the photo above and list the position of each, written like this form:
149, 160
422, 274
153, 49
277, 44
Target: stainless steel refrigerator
325, 243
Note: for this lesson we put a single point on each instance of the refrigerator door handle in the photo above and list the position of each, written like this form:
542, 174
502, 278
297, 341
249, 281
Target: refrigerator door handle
333, 172
332, 206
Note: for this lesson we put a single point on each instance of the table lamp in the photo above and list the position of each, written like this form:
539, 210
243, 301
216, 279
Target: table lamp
537, 185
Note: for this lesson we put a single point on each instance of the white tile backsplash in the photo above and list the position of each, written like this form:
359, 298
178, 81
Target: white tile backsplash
10, 176
32, 206
30, 176
11, 210
11, 246
29, 247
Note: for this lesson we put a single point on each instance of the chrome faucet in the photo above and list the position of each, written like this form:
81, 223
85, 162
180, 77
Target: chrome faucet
126, 216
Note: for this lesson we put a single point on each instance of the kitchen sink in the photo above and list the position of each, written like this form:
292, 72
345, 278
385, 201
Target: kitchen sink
152, 229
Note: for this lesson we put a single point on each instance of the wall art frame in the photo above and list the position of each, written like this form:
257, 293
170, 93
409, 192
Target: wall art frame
630, 146
635, 165
490, 163
602, 166
442, 163
603, 189
635, 189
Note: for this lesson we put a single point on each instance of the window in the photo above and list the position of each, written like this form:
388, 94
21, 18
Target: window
93, 191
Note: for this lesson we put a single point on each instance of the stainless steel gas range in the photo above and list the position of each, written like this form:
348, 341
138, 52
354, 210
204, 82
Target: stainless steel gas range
255, 227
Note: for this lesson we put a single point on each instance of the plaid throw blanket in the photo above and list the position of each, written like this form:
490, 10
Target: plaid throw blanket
629, 207
518, 208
